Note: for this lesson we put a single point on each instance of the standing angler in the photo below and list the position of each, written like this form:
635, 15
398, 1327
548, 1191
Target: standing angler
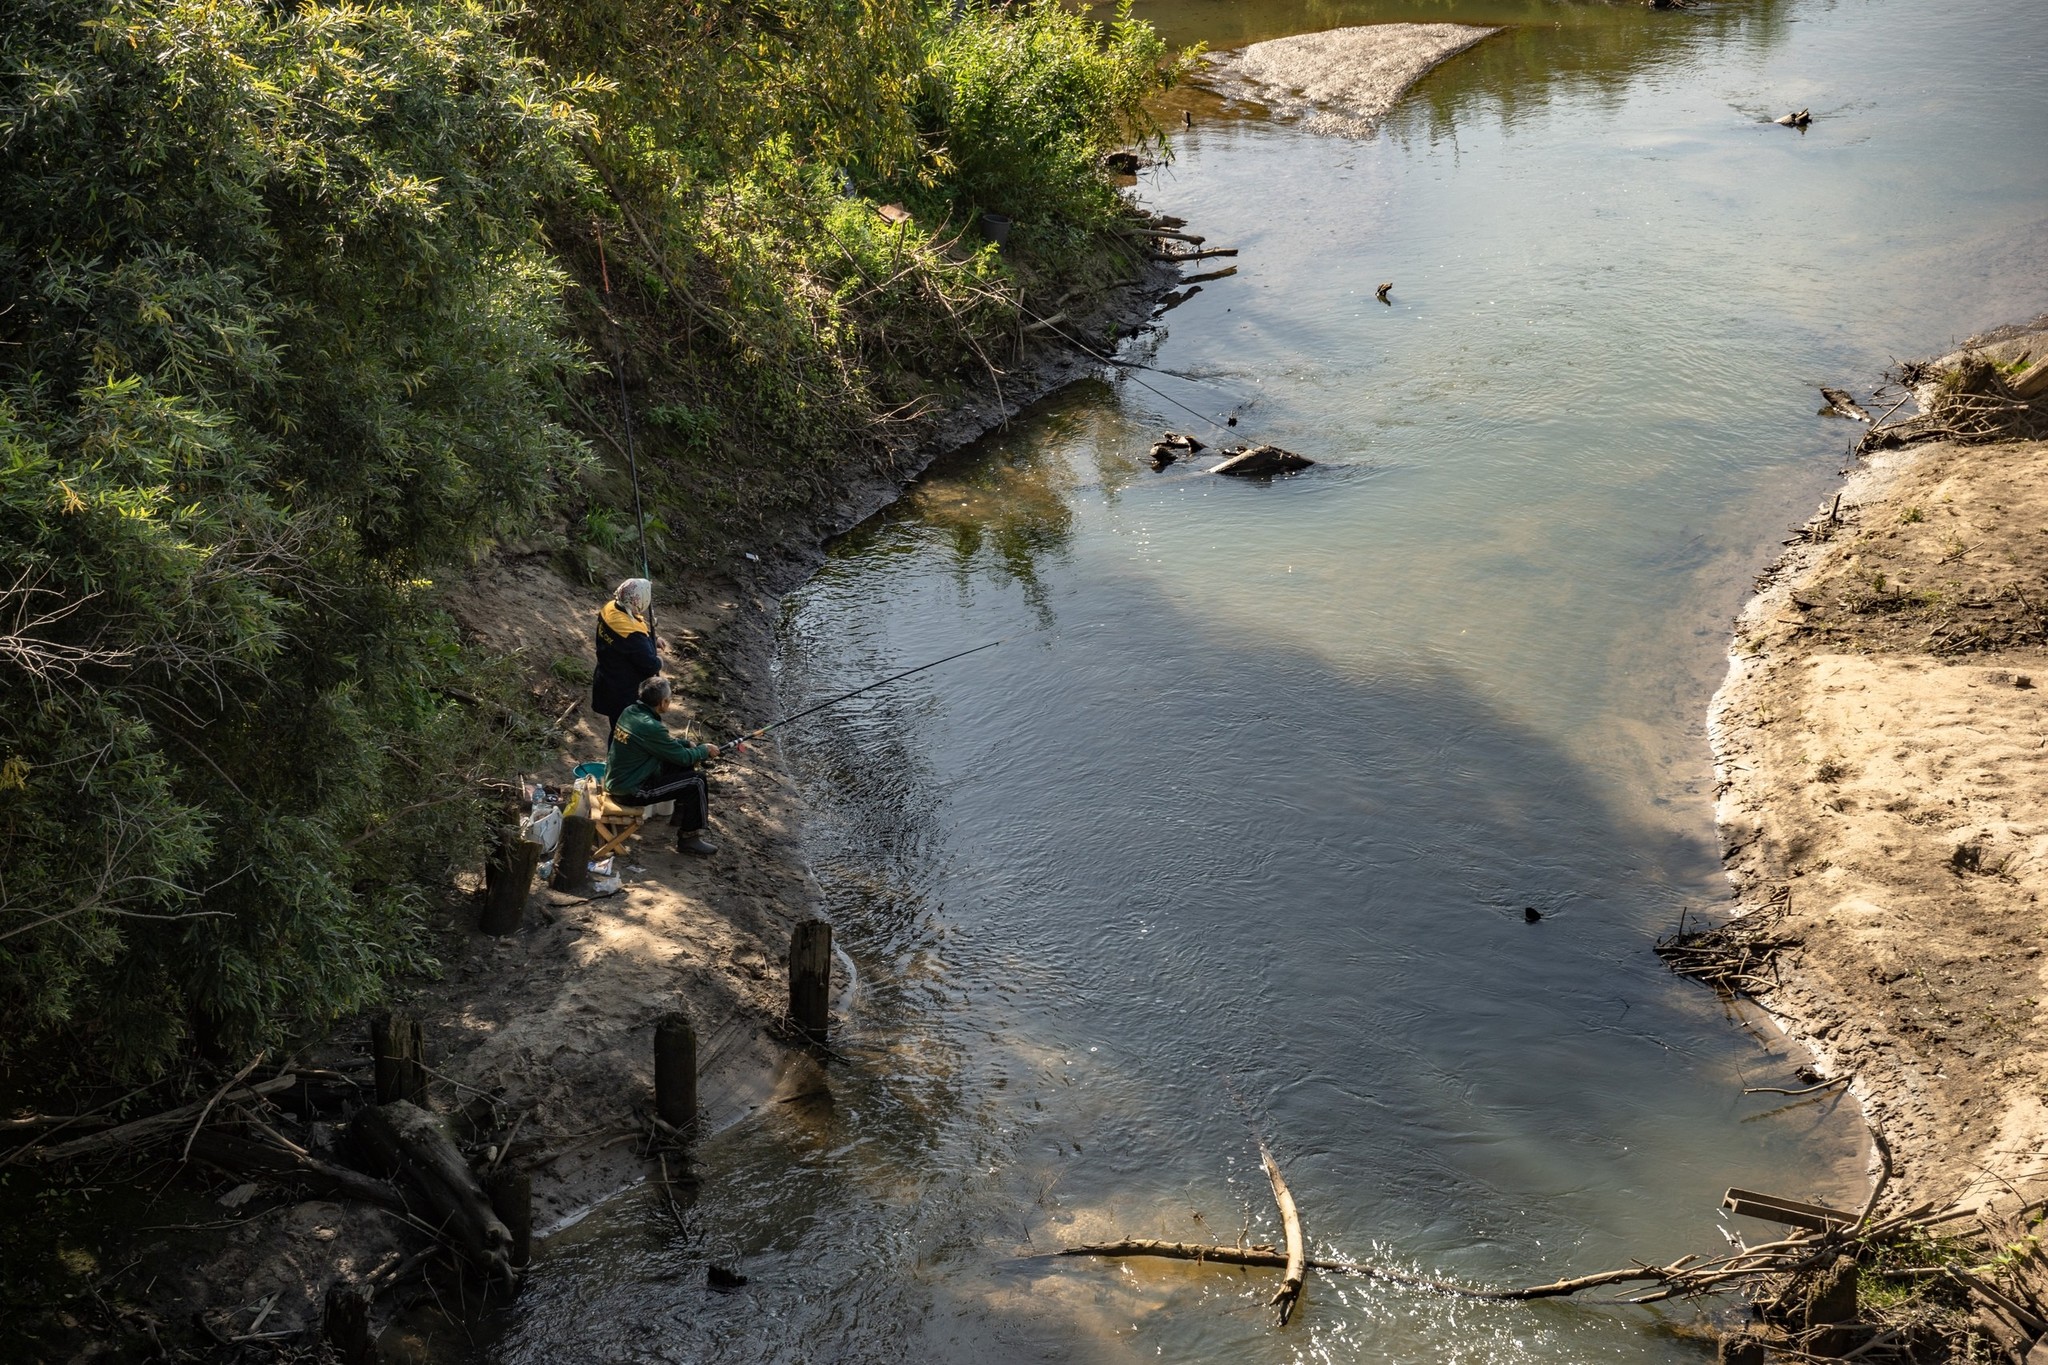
625, 650
647, 765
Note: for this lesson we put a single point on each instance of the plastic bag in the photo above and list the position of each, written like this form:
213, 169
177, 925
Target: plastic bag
544, 827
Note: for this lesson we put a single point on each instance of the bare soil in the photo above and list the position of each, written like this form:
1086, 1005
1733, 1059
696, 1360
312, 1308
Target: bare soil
1882, 748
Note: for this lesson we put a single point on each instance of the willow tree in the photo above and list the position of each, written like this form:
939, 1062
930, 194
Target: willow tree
277, 336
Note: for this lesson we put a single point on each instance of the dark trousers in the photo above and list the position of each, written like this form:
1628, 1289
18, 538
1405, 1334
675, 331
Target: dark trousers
685, 787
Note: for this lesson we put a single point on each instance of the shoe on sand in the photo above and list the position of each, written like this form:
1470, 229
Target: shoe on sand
695, 843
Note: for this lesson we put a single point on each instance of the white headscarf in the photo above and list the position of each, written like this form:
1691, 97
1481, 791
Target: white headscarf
633, 595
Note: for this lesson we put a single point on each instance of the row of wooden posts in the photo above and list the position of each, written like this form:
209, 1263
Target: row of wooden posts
398, 1045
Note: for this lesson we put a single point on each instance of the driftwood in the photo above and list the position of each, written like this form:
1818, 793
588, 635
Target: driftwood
410, 1146
245, 1156
1172, 446
1225, 273
1289, 1293
1294, 1262
159, 1126
1802, 1286
1194, 255
1260, 461
1840, 404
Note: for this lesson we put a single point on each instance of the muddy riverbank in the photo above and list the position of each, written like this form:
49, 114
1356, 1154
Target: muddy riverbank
1882, 749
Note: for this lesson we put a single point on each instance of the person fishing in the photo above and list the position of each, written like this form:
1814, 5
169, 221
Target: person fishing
646, 765
626, 656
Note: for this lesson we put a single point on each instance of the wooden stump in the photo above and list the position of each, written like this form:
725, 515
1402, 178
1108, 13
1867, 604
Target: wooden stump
400, 1047
675, 1071
572, 855
345, 1323
511, 1195
810, 979
508, 881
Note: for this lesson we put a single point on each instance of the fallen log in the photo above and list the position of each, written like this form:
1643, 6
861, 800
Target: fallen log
1260, 461
246, 1156
158, 1126
1195, 255
1225, 273
1168, 234
409, 1145
1289, 1293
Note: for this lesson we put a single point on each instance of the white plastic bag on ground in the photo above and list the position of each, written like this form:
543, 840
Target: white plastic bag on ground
544, 827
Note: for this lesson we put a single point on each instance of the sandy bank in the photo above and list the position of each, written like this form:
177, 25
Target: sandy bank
1342, 81
1881, 744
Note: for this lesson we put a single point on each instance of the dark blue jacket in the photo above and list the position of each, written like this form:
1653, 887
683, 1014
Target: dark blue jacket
625, 659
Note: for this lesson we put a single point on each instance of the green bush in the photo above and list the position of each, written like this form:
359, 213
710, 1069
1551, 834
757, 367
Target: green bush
1020, 102
278, 335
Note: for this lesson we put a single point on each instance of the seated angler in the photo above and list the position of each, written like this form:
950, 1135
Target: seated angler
647, 765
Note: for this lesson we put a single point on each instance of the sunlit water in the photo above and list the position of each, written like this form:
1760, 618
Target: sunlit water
1233, 837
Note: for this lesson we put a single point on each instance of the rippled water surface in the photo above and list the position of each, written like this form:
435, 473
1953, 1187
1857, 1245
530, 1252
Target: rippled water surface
1234, 835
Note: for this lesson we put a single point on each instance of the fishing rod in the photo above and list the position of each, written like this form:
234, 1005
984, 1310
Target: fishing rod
626, 411
859, 691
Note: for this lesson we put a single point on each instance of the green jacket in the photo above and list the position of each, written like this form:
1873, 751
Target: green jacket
640, 744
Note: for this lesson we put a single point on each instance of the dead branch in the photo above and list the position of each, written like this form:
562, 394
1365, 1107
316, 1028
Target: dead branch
200, 1122
1289, 1293
156, 1126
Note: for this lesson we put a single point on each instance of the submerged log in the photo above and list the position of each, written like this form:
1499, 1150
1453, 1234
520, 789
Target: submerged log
410, 1145
1840, 404
1261, 461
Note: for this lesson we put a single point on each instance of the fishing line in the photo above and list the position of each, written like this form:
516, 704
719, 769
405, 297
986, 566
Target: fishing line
861, 691
1126, 365
626, 412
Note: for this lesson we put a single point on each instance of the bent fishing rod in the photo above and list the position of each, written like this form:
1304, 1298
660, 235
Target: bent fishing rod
861, 691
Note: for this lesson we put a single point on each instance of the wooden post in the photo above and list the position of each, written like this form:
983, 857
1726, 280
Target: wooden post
508, 881
810, 978
400, 1047
572, 855
675, 1071
346, 1324
511, 1194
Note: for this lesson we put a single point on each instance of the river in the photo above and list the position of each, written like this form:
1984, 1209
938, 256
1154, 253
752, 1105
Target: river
1232, 838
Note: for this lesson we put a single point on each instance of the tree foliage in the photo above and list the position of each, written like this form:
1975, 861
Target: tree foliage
277, 334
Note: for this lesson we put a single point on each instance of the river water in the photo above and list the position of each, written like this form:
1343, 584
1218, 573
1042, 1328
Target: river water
1233, 838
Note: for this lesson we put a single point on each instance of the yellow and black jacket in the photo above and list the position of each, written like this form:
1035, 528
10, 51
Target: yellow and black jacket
625, 659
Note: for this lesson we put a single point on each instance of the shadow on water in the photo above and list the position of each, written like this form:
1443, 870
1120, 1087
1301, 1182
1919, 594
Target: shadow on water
1128, 890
